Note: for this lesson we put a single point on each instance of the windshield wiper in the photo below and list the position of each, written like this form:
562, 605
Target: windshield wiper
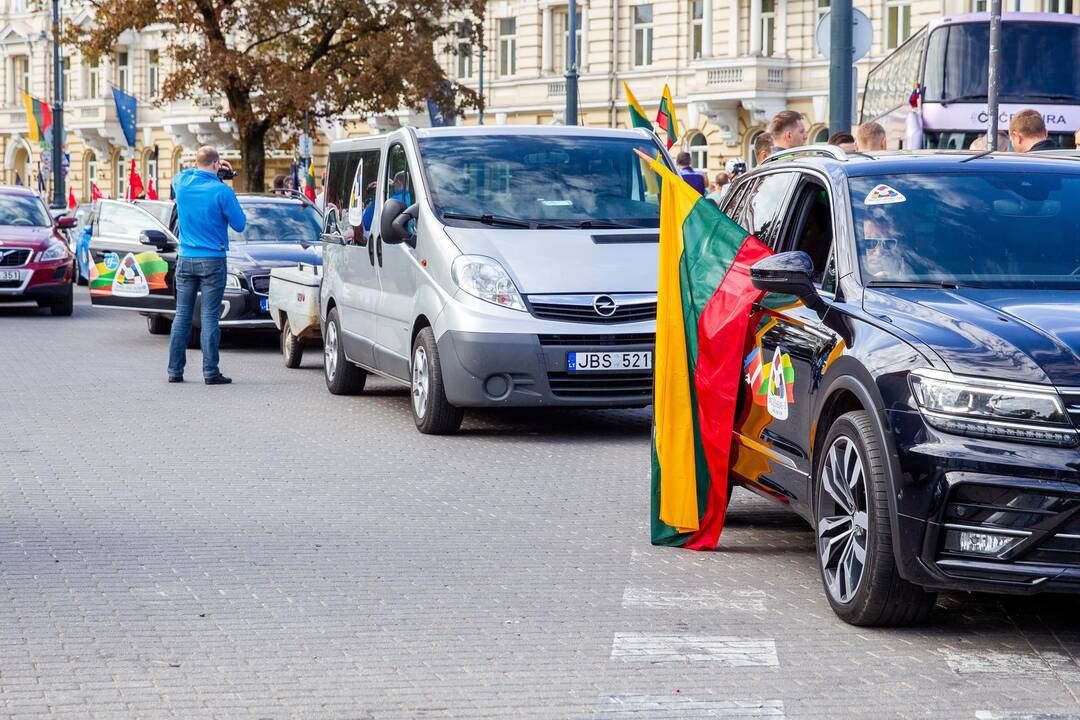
937, 284
607, 225
489, 219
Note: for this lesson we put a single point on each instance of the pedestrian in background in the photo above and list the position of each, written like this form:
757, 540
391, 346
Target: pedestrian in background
1027, 130
871, 137
693, 178
278, 185
1076, 139
787, 130
979, 143
206, 209
843, 140
763, 147
719, 187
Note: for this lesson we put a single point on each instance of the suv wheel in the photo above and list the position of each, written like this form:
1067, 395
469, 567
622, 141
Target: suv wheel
342, 377
432, 412
66, 304
854, 536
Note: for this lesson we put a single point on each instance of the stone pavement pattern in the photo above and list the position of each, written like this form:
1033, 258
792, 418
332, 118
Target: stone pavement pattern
268, 550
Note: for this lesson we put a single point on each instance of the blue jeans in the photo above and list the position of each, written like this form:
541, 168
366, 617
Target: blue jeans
195, 275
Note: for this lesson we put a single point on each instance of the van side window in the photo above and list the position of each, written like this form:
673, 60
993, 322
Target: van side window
336, 170
399, 184
358, 200
810, 229
764, 201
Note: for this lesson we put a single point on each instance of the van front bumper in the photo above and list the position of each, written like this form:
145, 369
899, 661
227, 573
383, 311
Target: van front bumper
529, 370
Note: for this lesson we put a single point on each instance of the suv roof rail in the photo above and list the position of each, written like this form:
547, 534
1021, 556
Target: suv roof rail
820, 149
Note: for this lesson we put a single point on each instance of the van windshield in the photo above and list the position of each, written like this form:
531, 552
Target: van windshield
976, 229
527, 181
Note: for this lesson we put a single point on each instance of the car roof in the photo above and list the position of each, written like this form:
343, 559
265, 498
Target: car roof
498, 131
17, 190
263, 198
914, 161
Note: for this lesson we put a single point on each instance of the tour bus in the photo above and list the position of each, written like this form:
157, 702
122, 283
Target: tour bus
931, 92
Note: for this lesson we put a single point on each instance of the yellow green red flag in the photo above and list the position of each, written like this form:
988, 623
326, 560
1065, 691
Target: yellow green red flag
638, 118
665, 118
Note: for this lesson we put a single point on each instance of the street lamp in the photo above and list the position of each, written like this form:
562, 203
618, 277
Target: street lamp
571, 65
58, 111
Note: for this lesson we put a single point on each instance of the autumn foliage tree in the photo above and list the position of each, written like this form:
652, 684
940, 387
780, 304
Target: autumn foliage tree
270, 61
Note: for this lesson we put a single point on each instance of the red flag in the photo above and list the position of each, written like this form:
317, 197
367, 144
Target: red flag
95, 192
71, 198
151, 193
135, 186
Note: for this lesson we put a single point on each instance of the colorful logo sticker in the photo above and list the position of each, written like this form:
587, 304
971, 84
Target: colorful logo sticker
771, 384
136, 276
111, 261
129, 279
884, 195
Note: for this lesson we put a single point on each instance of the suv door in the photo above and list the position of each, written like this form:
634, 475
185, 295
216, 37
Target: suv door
775, 423
398, 271
124, 272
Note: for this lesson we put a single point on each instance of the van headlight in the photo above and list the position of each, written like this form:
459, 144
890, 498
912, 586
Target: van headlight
485, 278
990, 409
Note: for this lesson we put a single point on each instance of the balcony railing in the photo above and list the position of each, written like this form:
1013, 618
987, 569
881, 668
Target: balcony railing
556, 88
725, 76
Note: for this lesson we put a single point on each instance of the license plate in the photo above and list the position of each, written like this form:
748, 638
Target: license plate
264, 304
601, 361
10, 275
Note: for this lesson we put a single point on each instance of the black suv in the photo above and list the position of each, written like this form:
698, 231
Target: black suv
912, 386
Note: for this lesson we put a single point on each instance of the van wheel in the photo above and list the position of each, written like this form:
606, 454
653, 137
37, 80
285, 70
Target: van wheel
291, 349
342, 377
158, 324
65, 305
854, 536
432, 412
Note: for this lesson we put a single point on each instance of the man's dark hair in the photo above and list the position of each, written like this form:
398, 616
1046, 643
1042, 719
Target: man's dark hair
839, 138
763, 142
683, 159
279, 182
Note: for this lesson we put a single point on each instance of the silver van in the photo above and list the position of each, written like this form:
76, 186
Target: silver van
492, 267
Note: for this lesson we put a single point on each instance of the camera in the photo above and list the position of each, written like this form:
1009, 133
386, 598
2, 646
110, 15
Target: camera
225, 174
736, 167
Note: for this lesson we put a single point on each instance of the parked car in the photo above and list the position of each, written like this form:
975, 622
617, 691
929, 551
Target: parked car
135, 258
36, 264
913, 388
492, 267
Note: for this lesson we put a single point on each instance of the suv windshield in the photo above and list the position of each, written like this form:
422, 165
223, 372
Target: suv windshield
537, 179
23, 210
279, 222
983, 229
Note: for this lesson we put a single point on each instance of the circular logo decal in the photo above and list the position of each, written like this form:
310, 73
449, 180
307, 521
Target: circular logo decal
111, 260
604, 305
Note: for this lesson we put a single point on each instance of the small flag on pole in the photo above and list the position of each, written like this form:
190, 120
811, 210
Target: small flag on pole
151, 191
309, 182
638, 118
95, 192
71, 198
665, 118
135, 186
127, 109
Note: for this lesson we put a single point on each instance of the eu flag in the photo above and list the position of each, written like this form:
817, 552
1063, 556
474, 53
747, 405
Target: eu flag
126, 110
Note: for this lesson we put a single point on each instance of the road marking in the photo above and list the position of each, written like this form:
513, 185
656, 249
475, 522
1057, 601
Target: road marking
664, 707
745, 600
661, 649
991, 715
965, 662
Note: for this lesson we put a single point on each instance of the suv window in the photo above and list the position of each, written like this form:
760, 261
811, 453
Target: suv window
764, 201
809, 228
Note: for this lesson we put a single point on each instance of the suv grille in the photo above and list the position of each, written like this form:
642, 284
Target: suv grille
633, 385
14, 257
615, 308
1071, 398
260, 284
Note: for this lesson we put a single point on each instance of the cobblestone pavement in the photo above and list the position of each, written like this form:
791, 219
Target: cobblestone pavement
268, 550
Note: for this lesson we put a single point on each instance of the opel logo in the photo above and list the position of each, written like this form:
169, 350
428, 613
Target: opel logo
604, 305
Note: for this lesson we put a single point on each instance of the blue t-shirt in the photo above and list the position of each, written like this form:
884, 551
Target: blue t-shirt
693, 178
206, 208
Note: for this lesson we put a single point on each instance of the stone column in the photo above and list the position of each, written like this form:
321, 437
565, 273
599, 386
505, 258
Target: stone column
583, 57
546, 66
706, 28
755, 27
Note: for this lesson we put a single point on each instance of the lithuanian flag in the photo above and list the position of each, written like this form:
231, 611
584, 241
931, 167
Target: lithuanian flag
38, 118
665, 118
702, 313
638, 118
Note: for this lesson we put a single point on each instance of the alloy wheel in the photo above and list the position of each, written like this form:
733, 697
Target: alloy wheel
842, 526
420, 381
330, 350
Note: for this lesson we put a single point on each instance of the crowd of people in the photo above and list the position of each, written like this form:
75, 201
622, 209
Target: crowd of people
1026, 133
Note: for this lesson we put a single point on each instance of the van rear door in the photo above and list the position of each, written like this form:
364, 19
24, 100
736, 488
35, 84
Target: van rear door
125, 273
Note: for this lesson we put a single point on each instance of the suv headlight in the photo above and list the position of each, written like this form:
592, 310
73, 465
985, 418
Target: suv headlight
55, 251
232, 282
991, 409
485, 278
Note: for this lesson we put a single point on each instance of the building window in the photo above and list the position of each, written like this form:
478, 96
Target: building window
93, 79
464, 51
897, 23
1061, 7
123, 71
150, 168
643, 35
91, 171
820, 8
699, 151
153, 72
562, 34
768, 27
20, 77
120, 177
751, 158
697, 28
507, 46
821, 136
978, 5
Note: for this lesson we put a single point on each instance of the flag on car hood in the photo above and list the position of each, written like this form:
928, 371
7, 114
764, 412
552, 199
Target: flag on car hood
703, 308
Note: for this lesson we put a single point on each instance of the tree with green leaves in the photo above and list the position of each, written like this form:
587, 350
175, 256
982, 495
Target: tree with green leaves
272, 61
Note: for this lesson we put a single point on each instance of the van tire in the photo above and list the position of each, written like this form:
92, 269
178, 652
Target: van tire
881, 597
342, 377
158, 324
436, 416
291, 349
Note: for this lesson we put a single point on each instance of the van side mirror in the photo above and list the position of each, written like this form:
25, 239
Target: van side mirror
395, 223
158, 239
788, 273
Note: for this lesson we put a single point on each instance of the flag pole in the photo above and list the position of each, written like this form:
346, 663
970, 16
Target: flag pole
59, 198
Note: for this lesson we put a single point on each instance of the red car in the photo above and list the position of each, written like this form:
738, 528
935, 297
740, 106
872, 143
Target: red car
36, 264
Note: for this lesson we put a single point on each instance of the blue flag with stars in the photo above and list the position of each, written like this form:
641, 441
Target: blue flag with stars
126, 110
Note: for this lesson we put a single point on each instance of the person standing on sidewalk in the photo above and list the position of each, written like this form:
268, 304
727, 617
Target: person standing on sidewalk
206, 208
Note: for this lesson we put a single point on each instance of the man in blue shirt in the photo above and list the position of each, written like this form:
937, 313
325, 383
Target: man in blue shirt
206, 208
687, 172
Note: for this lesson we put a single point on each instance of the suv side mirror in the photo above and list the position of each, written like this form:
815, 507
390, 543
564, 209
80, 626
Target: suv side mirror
788, 273
66, 222
395, 221
158, 239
